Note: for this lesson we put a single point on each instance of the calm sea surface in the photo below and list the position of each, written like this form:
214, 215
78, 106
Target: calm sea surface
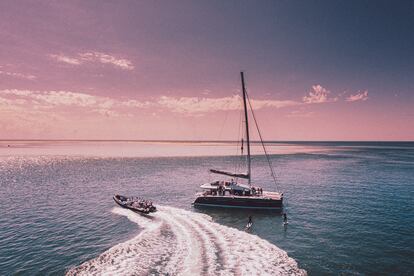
350, 208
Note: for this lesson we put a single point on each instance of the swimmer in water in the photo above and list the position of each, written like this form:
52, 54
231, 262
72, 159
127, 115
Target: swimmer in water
249, 223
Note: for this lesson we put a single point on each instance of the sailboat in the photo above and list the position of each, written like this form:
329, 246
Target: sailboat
232, 193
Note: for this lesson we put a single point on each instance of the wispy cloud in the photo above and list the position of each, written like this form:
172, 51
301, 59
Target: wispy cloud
61, 101
300, 114
199, 105
58, 100
360, 96
65, 59
54, 98
318, 94
194, 105
93, 56
107, 59
258, 104
17, 75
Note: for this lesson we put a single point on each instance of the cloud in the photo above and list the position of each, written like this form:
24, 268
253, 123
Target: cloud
18, 75
135, 103
61, 101
199, 105
107, 59
360, 96
193, 105
66, 59
66, 100
99, 57
300, 114
258, 104
318, 94
56, 98
49, 100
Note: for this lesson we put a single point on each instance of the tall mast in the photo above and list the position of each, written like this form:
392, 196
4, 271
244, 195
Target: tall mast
247, 128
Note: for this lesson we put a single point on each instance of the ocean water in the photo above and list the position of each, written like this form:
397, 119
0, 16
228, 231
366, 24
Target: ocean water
350, 208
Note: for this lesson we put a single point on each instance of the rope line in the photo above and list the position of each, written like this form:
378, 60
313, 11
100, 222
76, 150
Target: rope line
263, 145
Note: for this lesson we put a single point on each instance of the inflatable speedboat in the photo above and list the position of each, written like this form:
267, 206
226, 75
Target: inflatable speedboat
135, 204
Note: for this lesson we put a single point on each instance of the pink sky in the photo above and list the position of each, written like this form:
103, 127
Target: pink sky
146, 71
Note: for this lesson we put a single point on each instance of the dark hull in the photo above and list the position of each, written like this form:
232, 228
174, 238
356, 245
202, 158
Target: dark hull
239, 202
121, 203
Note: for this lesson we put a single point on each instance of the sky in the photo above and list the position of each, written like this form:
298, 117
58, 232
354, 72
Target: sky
315, 70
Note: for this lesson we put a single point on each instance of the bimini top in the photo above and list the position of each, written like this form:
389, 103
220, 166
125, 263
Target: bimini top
228, 185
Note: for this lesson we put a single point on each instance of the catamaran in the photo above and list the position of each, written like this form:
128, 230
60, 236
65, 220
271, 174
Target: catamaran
233, 193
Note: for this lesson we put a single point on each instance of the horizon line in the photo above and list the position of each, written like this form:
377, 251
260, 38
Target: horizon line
203, 141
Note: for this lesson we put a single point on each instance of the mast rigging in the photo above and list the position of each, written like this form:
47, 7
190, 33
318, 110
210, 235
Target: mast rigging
247, 128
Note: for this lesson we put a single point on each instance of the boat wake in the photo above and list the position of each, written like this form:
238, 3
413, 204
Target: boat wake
179, 242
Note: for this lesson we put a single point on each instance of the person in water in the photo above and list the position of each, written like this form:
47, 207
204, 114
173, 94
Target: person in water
284, 218
250, 220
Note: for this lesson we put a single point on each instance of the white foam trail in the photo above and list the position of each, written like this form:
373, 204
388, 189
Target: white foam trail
179, 242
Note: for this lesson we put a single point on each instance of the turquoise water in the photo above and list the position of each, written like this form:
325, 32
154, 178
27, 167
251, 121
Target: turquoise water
350, 208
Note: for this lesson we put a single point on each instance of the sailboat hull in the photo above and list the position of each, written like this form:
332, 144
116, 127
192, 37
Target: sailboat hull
245, 202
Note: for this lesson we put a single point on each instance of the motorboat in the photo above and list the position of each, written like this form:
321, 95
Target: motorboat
135, 204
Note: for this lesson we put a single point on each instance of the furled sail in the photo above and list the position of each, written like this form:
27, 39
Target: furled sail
238, 175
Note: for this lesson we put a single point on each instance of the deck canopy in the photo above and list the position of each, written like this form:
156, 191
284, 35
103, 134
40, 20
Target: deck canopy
237, 175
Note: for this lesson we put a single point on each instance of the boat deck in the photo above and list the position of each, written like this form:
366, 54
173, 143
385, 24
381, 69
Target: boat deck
265, 195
